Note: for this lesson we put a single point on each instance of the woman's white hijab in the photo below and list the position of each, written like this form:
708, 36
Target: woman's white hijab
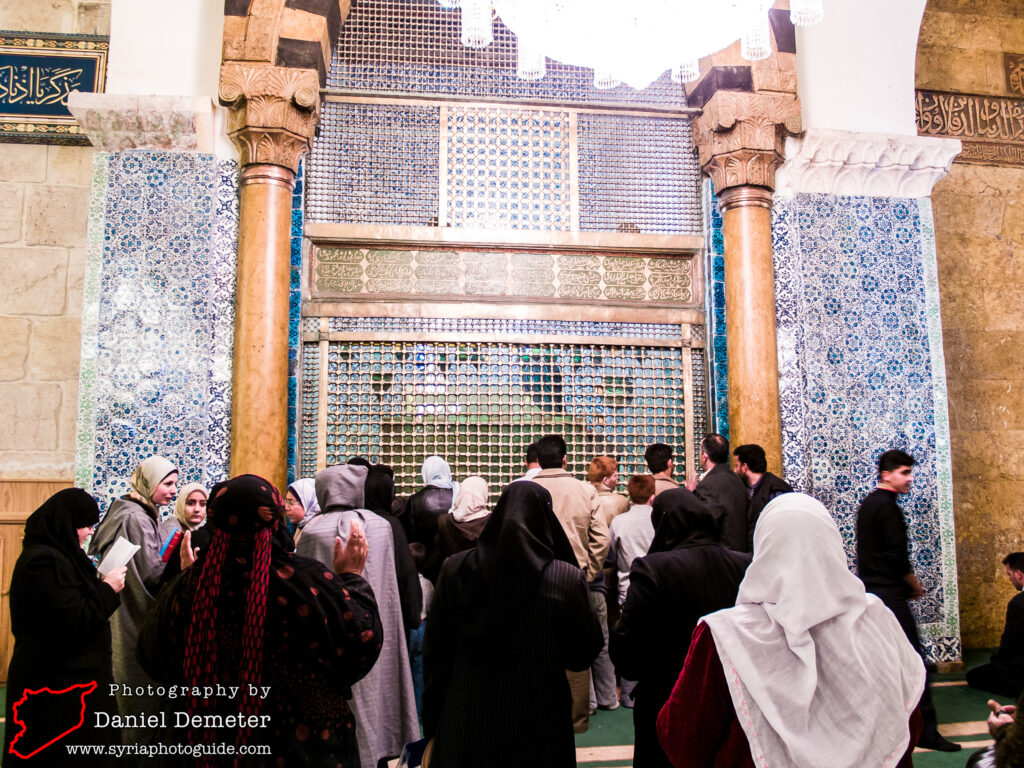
820, 673
438, 474
471, 500
305, 491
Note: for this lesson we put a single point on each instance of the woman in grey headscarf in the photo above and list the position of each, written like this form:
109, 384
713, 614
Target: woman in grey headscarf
436, 498
135, 516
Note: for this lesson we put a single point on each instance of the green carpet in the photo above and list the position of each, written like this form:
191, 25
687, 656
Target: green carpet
955, 704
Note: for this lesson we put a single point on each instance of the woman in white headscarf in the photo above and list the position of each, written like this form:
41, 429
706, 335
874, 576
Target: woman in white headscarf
300, 504
458, 530
805, 671
135, 516
425, 507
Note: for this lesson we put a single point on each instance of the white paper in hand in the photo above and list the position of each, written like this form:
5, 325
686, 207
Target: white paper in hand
118, 555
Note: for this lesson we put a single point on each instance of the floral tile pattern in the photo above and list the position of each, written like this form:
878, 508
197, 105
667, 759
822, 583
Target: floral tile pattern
294, 317
715, 302
159, 298
861, 371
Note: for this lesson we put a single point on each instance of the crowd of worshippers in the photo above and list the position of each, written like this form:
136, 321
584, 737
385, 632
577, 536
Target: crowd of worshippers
339, 624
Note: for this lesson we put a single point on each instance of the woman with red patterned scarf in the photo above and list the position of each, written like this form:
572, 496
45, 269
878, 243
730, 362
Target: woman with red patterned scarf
251, 613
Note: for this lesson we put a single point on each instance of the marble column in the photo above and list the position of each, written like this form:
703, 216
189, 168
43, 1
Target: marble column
740, 139
750, 320
259, 413
272, 117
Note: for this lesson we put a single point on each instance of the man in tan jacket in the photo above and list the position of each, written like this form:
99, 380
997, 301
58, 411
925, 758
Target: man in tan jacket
577, 508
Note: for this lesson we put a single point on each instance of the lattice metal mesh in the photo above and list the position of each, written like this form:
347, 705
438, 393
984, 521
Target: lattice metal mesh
413, 46
479, 404
638, 174
309, 410
508, 169
375, 164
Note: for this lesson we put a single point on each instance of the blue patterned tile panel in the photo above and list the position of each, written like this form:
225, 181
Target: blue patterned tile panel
161, 276
715, 302
860, 372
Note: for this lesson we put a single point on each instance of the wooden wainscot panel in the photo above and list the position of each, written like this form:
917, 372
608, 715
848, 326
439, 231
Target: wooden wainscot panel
18, 500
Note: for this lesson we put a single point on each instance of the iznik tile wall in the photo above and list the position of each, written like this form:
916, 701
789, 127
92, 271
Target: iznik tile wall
294, 318
158, 318
861, 370
715, 302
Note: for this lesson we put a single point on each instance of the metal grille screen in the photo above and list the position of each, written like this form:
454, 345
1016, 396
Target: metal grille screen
480, 403
503, 168
637, 174
508, 169
413, 46
375, 164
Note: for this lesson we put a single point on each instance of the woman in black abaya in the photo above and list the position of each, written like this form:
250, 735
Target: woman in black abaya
60, 611
507, 619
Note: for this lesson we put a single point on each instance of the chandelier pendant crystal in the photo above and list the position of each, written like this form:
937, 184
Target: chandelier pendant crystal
476, 23
756, 42
804, 13
531, 64
605, 80
630, 43
686, 72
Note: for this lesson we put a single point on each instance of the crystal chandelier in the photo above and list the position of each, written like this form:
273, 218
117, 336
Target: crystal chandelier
632, 42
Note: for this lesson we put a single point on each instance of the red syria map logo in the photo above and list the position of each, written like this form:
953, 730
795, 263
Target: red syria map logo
52, 718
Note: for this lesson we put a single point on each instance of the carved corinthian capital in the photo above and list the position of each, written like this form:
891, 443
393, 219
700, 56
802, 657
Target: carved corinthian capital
741, 137
273, 111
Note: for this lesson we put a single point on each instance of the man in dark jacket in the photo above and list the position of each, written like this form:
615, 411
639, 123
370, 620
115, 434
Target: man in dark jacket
1004, 676
883, 564
762, 485
687, 574
722, 491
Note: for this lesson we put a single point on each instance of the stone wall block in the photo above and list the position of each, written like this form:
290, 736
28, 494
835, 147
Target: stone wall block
69, 166
11, 212
988, 180
1011, 32
93, 19
1003, 300
29, 413
57, 216
38, 16
1013, 222
966, 71
937, 28
68, 427
14, 350
963, 214
998, 8
34, 281
37, 465
76, 282
987, 355
22, 162
54, 349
